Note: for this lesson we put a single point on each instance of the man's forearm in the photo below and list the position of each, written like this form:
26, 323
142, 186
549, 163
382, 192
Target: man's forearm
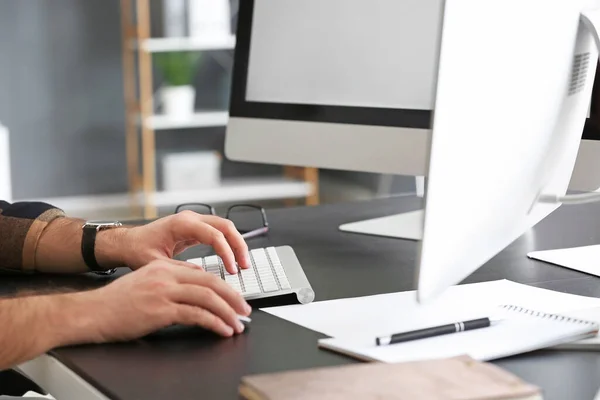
59, 247
33, 325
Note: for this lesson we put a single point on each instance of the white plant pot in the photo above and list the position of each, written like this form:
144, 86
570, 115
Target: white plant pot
178, 101
209, 18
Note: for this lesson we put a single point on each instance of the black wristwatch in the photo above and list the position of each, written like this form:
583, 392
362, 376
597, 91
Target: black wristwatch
88, 244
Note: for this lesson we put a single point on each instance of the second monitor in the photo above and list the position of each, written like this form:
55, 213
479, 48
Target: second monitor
338, 84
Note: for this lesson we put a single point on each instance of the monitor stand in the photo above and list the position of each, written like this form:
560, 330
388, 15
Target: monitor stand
401, 226
407, 225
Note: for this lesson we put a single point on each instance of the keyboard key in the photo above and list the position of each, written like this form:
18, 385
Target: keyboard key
265, 272
211, 261
268, 282
273, 256
260, 258
248, 277
212, 265
197, 261
270, 286
233, 281
279, 271
282, 277
259, 255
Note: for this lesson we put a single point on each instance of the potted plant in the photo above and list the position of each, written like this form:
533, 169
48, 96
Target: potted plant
178, 94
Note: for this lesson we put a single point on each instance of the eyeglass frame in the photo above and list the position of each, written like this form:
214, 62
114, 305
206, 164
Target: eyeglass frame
246, 235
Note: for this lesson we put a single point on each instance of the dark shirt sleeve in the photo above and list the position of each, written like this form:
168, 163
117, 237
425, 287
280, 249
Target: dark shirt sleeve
21, 225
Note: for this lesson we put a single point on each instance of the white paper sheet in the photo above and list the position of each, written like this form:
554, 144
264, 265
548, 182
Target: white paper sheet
584, 259
370, 316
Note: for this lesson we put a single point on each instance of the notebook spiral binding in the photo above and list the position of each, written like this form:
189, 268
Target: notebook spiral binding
540, 314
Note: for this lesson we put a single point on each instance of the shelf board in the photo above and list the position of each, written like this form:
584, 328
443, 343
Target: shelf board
203, 119
157, 45
231, 190
253, 189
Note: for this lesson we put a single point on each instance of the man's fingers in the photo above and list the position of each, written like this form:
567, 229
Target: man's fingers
233, 237
219, 243
195, 316
191, 226
199, 277
204, 297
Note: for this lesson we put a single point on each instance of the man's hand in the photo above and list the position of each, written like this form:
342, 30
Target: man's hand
59, 247
161, 294
169, 236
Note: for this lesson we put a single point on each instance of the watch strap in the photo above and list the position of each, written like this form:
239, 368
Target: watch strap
88, 247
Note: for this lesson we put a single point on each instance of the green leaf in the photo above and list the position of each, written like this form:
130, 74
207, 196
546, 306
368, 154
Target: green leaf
178, 68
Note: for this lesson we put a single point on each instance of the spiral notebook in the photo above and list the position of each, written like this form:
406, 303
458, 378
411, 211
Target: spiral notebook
521, 330
588, 344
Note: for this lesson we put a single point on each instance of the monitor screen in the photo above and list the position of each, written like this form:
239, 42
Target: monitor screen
376, 53
338, 61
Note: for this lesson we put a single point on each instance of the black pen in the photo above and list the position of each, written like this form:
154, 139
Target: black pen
435, 331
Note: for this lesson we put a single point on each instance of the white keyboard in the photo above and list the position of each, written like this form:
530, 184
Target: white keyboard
267, 275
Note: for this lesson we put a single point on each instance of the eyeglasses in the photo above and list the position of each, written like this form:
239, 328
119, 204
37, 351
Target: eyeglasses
250, 220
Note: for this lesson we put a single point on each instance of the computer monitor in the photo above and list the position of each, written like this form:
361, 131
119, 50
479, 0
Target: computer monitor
341, 84
524, 70
335, 84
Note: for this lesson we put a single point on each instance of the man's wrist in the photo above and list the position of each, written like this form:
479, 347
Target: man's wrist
36, 313
56, 319
111, 248
31, 326
74, 318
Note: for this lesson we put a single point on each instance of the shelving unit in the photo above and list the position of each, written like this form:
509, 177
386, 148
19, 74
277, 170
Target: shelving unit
110, 206
204, 119
142, 124
189, 44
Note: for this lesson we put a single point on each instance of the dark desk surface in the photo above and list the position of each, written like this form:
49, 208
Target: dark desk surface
191, 364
